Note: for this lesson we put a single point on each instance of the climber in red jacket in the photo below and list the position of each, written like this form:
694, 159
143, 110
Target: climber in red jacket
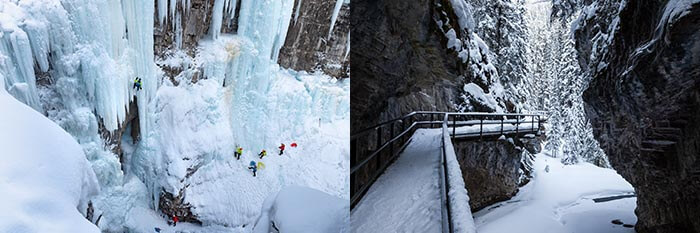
282, 149
175, 220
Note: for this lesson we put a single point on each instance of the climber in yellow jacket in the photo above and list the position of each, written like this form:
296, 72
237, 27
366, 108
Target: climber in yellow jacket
238, 153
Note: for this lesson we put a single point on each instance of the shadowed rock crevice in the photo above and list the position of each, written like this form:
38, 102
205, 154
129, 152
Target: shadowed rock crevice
113, 139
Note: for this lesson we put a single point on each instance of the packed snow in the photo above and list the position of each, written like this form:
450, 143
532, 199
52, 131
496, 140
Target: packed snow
406, 197
460, 211
45, 179
560, 198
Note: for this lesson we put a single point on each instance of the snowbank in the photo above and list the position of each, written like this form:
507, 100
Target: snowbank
559, 199
45, 180
301, 209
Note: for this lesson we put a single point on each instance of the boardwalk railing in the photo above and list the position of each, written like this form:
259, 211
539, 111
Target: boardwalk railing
373, 149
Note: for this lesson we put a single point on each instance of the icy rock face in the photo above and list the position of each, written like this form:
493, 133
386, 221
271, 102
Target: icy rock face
644, 105
318, 37
232, 93
494, 170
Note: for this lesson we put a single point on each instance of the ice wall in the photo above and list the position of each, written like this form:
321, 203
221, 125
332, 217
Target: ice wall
84, 55
83, 44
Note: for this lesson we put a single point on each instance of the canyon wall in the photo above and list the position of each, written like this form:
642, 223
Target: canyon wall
644, 104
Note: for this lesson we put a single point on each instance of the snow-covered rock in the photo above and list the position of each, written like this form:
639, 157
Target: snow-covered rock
302, 209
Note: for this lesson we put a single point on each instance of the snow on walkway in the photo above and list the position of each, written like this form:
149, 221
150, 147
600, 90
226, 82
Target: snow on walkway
406, 198
559, 199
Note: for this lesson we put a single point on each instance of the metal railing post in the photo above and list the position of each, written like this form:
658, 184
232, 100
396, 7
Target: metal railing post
454, 126
481, 129
539, 122
391, 132
532, 126
517, 125
353, 161
378, 161
502, 124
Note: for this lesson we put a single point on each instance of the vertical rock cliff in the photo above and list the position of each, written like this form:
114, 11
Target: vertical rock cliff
644, 103
318, 37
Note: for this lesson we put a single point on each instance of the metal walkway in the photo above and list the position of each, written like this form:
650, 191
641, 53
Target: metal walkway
374, 149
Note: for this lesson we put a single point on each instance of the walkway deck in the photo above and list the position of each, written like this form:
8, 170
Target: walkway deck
406, 198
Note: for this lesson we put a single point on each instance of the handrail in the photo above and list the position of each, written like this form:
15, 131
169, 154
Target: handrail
445, 187
365, 130
385, 143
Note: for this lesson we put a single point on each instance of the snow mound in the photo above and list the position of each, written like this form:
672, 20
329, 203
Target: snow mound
45, 179
560, 198
301, 209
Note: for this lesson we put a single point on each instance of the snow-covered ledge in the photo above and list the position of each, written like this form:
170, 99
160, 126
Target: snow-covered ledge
460, 211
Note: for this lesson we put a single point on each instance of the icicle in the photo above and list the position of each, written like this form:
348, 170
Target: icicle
171, 13
162, 14
139, 20
347, 48
231, 7
334, 17
178, 31
296, 12
216, 18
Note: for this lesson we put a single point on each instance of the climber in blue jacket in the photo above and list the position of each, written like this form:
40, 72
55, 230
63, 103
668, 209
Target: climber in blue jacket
253, 166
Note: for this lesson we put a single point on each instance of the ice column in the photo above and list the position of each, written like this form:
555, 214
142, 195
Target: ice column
139, 20
264, 24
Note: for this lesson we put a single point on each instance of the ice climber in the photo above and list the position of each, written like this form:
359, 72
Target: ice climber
262, 154
175, 220
253, 166
157, 230
137, 83
238, 153
282, 149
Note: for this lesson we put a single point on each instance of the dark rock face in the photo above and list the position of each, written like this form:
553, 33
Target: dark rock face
645, 109
195, 25
493, 170
175, 205
400, 62
308, 45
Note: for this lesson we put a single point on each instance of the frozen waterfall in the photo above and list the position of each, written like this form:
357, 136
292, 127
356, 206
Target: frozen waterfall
75, 61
